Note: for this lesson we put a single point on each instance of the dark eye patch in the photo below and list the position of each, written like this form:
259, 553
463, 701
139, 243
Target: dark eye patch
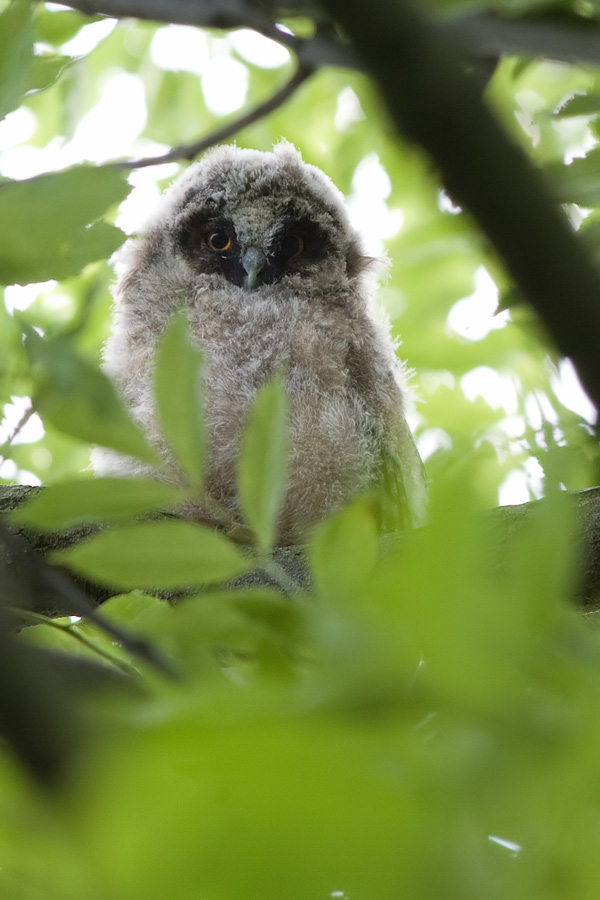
209, 244
197, 231
299, 243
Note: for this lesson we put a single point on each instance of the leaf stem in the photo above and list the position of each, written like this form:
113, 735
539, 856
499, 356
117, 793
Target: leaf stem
35, 618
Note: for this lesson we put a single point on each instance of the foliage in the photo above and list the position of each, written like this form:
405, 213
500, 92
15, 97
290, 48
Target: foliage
423, 722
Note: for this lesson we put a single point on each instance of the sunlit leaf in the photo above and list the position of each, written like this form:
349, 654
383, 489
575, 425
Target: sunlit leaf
262, 465
172, 554
82, 502
178, 391
16, 53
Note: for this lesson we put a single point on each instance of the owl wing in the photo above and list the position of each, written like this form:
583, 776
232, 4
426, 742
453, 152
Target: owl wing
402, 479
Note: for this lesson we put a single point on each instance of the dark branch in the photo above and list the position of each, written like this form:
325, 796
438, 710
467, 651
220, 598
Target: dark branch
311, 52
27, 581
189, 151
483, 35
564, 39
439, 107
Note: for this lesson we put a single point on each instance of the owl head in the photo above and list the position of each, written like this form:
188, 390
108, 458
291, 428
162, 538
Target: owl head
256, 218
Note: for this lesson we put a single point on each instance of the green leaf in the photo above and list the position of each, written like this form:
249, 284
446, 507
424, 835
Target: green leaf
81, 502
129, 609
57, 26
179, 398
172, 554
46, 69
579, 182
16, 53
344, 549
579, 105
78, 399
48, 226
263, 462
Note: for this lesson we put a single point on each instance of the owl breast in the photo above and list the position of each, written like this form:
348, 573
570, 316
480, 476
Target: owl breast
330, 429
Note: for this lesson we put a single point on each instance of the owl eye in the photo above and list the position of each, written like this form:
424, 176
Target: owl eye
292, 245
218, 241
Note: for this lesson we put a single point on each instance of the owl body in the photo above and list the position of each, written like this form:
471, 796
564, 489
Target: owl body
257, 249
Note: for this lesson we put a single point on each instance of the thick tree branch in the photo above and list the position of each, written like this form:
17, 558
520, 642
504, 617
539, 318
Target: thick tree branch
508, 522
310, 52
561, 38
485, 35
435, 104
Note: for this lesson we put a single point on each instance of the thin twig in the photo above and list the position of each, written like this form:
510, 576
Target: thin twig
189, 151
16, 431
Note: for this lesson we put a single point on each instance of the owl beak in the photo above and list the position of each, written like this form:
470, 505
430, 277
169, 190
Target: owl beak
253, 262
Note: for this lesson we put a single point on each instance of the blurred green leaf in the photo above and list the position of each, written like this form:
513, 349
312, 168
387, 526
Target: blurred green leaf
46, 69
579, 105
344, 550
178, 391
129, 609
94, 500
57, 26
579, 182
151, 555
16, 53
80, 400
48, 226
263, 462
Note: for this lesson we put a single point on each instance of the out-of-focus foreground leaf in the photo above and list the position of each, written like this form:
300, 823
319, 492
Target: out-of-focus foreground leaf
49, 227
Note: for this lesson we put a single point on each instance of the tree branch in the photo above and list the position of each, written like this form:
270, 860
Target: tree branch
569, 39
311, 52
484, 35
434, 103
506, 520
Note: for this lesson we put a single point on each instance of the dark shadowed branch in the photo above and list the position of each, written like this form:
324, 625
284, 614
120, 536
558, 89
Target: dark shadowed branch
435, 104
480, 35
28, 582
561, 38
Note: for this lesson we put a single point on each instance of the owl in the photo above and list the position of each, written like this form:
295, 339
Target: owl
257, 249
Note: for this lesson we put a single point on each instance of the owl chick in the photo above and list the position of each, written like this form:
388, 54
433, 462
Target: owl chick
258, 250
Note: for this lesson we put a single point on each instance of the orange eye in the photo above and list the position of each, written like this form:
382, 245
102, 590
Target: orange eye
218, 241
292, 245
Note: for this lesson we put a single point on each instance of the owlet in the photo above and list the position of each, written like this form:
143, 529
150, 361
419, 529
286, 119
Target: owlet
258, 250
